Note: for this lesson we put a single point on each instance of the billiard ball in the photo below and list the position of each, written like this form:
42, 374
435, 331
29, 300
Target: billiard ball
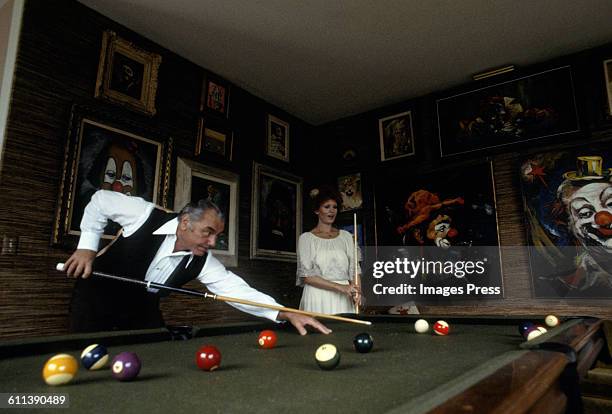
60, 369
327, 356
208, 358
421, 326
441, 328
94, 357
541, 328
532, 333
126, 366
551, 321
363, 343
523, 327
267, 339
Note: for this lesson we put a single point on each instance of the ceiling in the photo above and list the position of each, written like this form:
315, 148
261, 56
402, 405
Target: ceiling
322, 60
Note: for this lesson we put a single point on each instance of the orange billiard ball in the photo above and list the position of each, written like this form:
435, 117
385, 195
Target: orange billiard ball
267, 339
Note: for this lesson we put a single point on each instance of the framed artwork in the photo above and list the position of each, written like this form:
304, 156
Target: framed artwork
524, 109
443, 216
276, 214
277, 143
347, 224
127, 75
567, 199
349, 187
608, 76
396, 136
103, 154
215, 96
214, 139
194, 182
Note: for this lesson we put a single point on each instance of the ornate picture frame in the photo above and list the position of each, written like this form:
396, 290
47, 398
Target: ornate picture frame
276, 214
524, 109
277, 142
107, 153
127, 74
215, 96
195, 181
215, 139
396, 136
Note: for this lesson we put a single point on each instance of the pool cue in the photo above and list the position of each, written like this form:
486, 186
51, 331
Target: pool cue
206, 295
356, 261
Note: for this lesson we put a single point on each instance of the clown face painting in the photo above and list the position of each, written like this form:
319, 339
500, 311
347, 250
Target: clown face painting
568, 210
446, 215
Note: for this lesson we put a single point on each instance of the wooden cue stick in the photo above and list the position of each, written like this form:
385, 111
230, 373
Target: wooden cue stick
355, 260
60, 267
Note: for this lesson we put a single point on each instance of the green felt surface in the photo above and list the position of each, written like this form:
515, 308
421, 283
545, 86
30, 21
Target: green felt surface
403, 365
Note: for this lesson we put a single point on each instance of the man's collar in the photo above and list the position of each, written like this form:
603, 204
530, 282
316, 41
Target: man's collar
169, 228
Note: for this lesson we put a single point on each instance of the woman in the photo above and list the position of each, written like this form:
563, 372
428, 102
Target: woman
326, 265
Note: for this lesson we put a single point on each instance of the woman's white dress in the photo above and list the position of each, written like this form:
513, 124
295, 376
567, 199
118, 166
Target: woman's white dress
330, 259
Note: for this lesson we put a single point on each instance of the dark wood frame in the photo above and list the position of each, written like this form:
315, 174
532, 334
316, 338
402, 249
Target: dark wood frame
204, 101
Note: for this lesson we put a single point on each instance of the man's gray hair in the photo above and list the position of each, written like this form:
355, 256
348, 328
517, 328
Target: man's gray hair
195, 211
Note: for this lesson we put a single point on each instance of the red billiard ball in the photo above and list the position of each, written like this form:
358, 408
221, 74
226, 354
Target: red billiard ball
441, 328
126, 366
208, 358
267, 339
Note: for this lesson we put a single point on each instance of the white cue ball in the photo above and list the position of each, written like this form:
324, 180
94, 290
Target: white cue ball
551, 321
421, 326
60, 267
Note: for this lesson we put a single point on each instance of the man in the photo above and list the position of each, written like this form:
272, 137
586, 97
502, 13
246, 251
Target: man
154, 246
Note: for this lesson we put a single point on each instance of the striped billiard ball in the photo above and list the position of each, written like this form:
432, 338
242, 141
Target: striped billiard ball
327, 356
441, 328
94, 357
60, 369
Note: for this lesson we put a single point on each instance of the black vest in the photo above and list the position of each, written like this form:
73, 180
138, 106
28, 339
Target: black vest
131, 257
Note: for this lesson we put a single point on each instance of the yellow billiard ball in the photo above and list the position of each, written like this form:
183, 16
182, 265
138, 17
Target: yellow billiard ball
60, 369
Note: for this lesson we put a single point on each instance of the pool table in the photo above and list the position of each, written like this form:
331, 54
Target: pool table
482, 366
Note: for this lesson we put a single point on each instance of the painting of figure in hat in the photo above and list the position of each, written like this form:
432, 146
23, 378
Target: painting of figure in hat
568, 213
446, 215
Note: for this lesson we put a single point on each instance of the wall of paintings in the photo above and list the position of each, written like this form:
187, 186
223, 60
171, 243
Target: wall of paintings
87, 91
546, 132
495, 154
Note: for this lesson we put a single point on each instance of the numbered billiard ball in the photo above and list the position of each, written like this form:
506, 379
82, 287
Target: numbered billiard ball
551, 321
208, 358
523, 327
441, 328
327, 356
60, 369
421, 326
363, 343
267, 339
94, 357
126, 366
532, 333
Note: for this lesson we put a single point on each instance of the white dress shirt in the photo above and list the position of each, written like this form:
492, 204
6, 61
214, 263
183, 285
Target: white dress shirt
131, 213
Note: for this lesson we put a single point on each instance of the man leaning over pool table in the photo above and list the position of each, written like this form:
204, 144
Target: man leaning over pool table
155, 246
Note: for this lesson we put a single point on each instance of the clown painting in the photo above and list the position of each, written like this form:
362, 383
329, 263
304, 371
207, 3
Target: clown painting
111, 159
447, 215
568, 212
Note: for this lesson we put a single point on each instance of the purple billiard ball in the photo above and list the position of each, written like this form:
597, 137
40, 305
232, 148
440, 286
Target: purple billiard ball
126, 366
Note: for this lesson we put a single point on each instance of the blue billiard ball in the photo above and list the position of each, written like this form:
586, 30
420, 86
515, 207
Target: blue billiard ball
94, 357
523, 327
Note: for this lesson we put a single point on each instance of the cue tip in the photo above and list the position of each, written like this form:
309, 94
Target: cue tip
59, 266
